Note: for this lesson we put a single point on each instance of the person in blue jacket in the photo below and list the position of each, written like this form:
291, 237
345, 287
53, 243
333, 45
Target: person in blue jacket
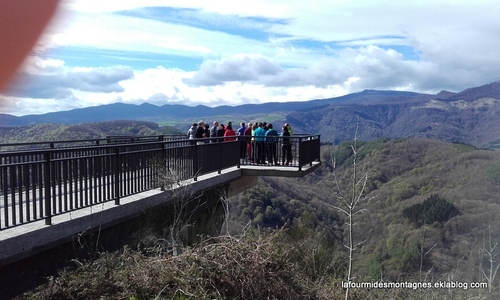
271, 140
243, 144
260, 139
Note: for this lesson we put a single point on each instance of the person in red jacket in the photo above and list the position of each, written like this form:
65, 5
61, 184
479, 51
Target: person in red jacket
229, 134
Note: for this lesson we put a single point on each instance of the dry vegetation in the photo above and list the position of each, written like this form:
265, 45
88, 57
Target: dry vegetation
247, 267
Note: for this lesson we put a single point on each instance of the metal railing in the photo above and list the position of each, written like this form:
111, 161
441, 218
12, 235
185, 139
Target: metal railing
113, 139
44, 182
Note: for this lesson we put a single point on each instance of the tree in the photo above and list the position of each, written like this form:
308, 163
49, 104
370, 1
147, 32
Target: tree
348, 198
191, 215
433, 209
489, 252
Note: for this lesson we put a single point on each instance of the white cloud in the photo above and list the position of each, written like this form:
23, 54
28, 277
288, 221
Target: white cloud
262, 51
132, 34
243, 68
48, 80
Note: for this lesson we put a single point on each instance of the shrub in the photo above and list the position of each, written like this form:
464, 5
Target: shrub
247, 267
494, 172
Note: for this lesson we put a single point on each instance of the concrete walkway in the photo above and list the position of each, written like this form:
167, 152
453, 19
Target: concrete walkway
28, 239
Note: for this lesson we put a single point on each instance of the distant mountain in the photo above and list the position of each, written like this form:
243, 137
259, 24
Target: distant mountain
470, 117
472, 94
149, 112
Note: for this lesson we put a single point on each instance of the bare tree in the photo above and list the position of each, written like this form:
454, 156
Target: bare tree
490, 252
185, 203
348, 200
422, 247
222, 194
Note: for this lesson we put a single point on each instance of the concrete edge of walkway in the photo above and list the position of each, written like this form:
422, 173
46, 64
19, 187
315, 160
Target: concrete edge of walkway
23, 241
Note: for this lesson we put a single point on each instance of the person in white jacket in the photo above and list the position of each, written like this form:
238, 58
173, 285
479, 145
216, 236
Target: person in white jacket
191, 134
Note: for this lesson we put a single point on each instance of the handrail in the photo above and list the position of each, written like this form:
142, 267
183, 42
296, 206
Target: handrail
90, 142
39, 183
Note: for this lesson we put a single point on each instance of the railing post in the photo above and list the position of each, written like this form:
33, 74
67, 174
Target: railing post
164, 167
238, 166
117, 175
301, 154
47, 187
220, 157
195, 162
319, 150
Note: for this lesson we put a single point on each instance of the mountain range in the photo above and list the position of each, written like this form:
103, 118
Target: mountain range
468, 117
150, 112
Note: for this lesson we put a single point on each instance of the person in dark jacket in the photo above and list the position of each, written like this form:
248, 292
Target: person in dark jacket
207, 134
243, 144
200, 132
220, 132
286, 147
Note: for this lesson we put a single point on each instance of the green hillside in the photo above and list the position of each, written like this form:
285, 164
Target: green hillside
84, 131
402, 174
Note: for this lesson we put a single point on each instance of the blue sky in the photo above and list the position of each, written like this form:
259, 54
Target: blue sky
231, 53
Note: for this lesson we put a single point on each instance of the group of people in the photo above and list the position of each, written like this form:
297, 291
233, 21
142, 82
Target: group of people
258, 141
206, 134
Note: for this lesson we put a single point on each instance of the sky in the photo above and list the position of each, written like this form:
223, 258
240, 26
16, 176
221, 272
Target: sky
238, 52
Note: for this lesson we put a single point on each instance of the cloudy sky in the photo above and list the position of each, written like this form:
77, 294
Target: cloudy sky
234, 52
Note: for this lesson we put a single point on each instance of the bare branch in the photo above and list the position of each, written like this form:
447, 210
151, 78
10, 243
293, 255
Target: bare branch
340, 209
430, 249
360, 211
360, 243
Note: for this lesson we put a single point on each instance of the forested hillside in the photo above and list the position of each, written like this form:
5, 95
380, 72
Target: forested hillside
428, 208
60, 132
